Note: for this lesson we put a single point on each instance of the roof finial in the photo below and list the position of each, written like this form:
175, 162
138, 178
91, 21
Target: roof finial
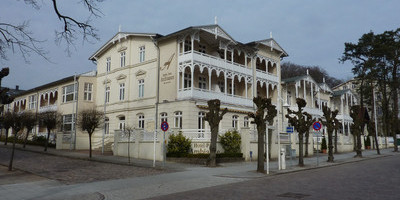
307, 72
119, 31
215, 20
323, 79
270, 34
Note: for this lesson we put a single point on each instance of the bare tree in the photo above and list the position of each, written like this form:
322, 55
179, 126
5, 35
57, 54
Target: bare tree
18, 37
329, 122
49, 119
214, 117
17, 125
7, 122
129, 130
29, 121
260, 119
309, 122
298, 120
89, 120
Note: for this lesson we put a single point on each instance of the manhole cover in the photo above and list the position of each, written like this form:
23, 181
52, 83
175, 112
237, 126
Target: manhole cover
294, 195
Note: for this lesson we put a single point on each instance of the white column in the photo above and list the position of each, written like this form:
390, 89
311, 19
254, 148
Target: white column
297, 90
245, 86
267, 89
183, 78
312, 95
192, 67
347, 102
319, 100
351, 100
348, 128
225, 83
209, 80
233, 85
304, 93
245, 60
232, 55
48, 97
179, 48
177, 79
341, 106
225, 54
183, 46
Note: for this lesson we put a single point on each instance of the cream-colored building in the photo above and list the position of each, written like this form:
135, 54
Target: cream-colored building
68, 96
195, 65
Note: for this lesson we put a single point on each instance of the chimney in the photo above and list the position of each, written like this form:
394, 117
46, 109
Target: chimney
17, 87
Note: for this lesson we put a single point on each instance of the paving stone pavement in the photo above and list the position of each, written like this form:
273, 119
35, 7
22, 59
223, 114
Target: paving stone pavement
182, 178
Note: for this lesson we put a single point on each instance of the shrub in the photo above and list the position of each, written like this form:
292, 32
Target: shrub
368, 142
204, 155
178, 144
231, 141
323, 144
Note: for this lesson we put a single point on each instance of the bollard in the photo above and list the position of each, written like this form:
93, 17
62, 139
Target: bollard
283, 155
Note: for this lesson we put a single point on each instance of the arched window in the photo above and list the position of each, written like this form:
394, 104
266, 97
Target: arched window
121, 123
201, 120
107, 125
246, 122
178, 119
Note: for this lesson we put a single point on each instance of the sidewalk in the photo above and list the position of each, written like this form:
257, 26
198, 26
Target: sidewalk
189, 177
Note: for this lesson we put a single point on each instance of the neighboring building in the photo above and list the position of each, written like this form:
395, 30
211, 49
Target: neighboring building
67, 99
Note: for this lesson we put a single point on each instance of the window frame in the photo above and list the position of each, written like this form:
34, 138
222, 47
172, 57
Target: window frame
32, 101
141, 88
178, 119
108, 64
141, 121
107, 100
122, 91
235, 121
88, 92
123, 58
66, 94
142, 53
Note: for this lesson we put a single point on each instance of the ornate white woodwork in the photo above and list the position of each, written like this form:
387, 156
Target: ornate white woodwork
207, 95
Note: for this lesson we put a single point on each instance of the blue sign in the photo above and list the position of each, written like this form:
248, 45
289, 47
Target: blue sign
289, 129
164, 126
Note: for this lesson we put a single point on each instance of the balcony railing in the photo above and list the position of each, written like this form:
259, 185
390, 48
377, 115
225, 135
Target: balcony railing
345, 117
48, 108
223, 64
311, 111
209, 94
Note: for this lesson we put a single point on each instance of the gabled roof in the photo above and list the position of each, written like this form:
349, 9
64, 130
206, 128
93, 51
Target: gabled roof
271, 43
118, 37
325, 87
212, 28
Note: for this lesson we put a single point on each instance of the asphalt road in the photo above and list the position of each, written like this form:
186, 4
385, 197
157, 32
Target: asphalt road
368, 179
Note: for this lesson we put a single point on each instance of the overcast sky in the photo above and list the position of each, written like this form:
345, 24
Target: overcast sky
311, 32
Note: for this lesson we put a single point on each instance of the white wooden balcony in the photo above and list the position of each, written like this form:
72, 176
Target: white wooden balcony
312, 111
48, 108
209, 94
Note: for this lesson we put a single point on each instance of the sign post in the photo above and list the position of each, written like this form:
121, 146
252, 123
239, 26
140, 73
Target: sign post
164, 127
317, 126
290, 130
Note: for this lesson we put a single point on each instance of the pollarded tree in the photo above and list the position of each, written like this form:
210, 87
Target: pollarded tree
213, 117
309, 122
298, 120
260, 119
329, 122
16, 125
7, 122
49, 119
89, 120
29, 121
336, 128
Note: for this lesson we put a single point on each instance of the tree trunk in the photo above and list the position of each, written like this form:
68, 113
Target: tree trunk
330, 146
12, 153
26, 139
395, 87
47, 140
90, 145
260, 152
269, 143
336, 150
5, 142
306, 144
377, 145
301, 160
354, 142
358, 150
212, 162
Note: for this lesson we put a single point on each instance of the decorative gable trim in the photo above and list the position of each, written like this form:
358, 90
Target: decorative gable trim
140, 73
123, 48
121, 76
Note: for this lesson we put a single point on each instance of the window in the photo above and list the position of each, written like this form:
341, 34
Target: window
87, 93
230, 88
121, 123
201, 122
141, 120
107, 94
289, 98
164, 117
69, 93
178, 119
121, 91
123, 59
202, 82
68, 123
32, 102
221, 85
142, 51
187, 80
188, 45
202, 48
108, 64
107, 125
246, 122
235, 121
141, 88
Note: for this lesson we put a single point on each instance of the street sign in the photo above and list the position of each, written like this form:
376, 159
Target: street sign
317, 126
164, 126
289, 129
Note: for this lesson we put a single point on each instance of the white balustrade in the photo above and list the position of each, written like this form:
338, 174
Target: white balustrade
207, 95
48, 108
